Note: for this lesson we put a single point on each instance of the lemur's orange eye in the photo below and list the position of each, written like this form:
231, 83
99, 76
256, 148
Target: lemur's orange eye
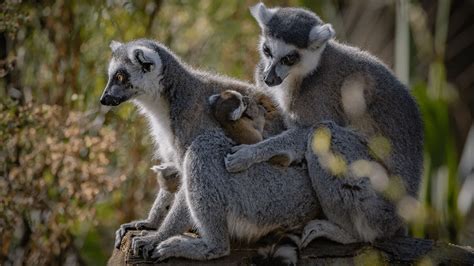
120, 77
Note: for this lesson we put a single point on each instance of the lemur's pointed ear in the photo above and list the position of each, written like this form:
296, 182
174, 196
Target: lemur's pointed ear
156, 168
320, 34
114, 45
146, 58
262, 14
145, 62
213, 99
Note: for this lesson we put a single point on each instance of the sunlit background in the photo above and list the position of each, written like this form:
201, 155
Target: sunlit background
71, 171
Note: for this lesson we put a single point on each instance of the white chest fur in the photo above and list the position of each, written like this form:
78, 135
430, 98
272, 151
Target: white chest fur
157, 112
282, 94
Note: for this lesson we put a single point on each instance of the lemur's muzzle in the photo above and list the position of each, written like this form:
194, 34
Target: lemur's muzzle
110, 100
271, 78
114, 95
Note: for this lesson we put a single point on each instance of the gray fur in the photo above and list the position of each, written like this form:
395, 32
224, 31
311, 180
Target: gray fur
220, 205
292, 25
356, 98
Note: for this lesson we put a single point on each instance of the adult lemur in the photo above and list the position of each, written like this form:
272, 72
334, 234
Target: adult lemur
220, 205
243, 119
355, 123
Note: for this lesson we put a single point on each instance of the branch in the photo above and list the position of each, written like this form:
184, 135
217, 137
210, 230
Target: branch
403, 250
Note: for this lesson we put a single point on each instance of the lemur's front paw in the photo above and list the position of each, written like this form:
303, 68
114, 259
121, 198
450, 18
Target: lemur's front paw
135, 225
144, 245
241, 158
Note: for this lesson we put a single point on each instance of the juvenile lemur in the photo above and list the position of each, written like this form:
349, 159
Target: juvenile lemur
353, 121
243, 118
219, 204
169, 180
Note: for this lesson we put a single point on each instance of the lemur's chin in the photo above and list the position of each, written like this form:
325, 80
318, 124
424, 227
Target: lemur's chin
274, 83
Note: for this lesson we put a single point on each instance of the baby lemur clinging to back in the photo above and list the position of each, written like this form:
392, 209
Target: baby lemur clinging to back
243, 118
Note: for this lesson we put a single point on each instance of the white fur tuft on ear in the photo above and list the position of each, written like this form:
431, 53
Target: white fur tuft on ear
114, 45
156, 168
237, 113
213, 99
262, 14
320, 34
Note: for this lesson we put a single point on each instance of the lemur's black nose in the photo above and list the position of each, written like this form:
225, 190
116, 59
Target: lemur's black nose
109, 100
103, 100
272, 80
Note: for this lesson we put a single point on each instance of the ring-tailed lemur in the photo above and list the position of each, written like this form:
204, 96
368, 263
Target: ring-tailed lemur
243, 118
220, 205
240, 116
169, 179
354, 122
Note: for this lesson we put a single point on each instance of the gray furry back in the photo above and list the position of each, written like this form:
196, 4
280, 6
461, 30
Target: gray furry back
354, 122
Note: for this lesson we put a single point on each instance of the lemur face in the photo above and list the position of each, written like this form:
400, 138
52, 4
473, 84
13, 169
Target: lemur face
135, 69
291, 43
228, 105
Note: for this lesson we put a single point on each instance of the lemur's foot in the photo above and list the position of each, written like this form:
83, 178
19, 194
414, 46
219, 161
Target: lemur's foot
135, 225
241, 158
188, 247
144, 245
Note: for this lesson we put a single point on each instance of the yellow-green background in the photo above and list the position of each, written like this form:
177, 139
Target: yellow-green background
72, 171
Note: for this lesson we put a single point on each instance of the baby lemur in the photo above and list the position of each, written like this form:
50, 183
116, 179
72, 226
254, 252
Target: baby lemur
167, 176
243, 118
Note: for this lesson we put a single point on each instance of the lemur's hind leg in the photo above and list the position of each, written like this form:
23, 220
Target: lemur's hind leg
352, 202
176, 222
204, 187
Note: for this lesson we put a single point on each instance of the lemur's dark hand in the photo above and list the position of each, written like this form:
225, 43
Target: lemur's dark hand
135, 225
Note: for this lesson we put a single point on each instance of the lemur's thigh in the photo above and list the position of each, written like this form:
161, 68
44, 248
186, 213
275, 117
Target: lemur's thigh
203, 171
349, 201
205, 182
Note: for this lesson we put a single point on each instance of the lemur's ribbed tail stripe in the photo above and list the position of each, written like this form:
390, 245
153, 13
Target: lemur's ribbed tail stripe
280, 248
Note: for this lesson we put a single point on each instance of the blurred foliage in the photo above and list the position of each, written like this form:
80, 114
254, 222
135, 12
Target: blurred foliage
55, 170
73, 171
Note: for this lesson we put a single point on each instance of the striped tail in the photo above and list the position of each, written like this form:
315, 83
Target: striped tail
280, 248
